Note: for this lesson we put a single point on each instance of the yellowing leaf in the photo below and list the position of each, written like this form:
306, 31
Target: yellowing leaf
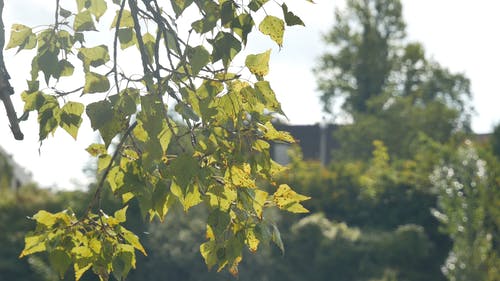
259, 64
259, 201
95, 245
287, 199
274, 27
240, 176
251, 240
96, 149
270, 133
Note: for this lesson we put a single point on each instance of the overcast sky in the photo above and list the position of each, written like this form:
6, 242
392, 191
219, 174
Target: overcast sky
460, 34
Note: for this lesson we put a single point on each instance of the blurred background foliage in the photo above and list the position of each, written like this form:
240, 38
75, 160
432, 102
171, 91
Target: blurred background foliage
411, 194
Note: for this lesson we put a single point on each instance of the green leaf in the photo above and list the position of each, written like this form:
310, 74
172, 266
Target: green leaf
243, 25
65, 68
102, 118
47, 62
219, 222
19, 34
255, 5
48, 116
125, 21
60, 261
225, 48
259, 64
227, 12
64, 13
149, 42
268, 97
276, 236
82, 4
123, 261
98, 8
180, 5
199, 57
71, 118
83, 22
95, 56
274, 27
126, 36
95, 83
291, 18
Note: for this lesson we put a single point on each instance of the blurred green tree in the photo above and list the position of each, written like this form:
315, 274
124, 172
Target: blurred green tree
462, 184
388, 87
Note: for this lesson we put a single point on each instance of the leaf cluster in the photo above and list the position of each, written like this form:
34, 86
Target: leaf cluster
189, 130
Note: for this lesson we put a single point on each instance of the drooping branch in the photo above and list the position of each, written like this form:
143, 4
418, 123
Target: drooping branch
6, 89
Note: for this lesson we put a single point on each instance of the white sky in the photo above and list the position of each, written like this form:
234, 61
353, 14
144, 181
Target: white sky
460, 34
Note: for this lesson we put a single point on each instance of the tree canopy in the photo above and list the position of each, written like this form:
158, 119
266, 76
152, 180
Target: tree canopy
385, 83
180, 124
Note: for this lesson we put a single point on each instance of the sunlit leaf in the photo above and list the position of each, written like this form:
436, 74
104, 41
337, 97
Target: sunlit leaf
98, 8
209, 252
95, 56
287, 199
33, 244
259, 64
83, 22
96, 149
71, 118
134, 241
125, 21
18, 35
274, 27
95, 83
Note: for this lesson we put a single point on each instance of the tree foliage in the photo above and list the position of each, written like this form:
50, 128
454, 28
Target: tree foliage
386, 84
179, 126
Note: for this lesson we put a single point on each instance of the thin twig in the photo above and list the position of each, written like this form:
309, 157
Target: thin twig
115, 45
100, 185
